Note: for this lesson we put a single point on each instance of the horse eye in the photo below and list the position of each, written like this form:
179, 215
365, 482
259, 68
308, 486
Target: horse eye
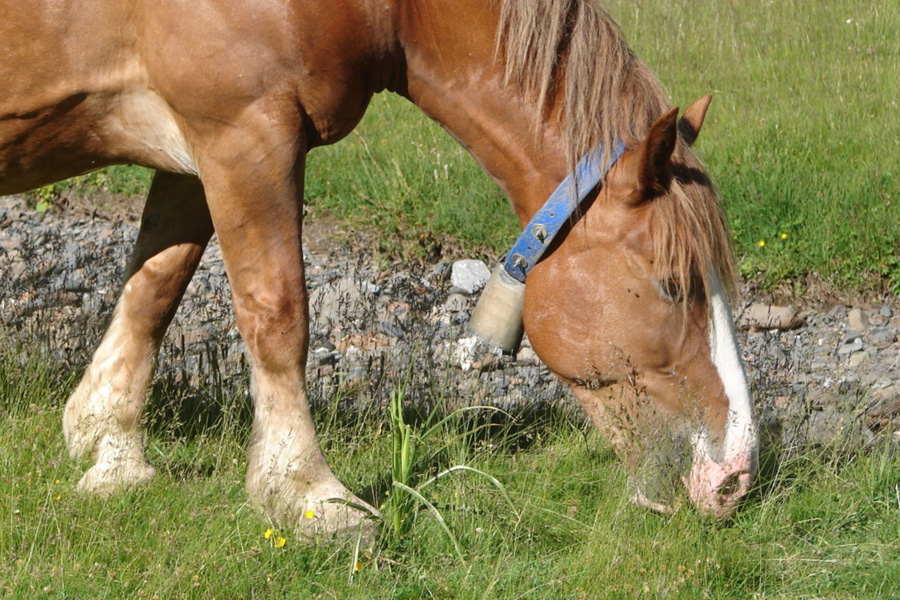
669, 290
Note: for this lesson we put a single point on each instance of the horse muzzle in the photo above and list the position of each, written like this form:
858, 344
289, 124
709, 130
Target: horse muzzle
716, 488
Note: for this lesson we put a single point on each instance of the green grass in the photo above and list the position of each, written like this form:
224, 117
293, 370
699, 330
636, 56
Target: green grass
803, 135
822, 525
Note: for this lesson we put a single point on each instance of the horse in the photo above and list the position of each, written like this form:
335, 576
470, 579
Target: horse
629, 306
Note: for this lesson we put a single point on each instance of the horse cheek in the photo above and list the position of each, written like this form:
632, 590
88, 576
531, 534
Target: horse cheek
560, 318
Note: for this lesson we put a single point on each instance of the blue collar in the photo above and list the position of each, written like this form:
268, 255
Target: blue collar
559, 208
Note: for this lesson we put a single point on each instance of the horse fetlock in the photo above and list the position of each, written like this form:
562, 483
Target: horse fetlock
94, 427
91, 414
82, 427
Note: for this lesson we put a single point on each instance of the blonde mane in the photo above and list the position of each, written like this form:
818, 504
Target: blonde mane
571, 53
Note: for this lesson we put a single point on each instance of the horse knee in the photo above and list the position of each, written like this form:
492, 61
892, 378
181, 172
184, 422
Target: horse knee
274, 328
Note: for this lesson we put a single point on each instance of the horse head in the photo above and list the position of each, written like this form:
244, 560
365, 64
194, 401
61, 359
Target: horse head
630, 309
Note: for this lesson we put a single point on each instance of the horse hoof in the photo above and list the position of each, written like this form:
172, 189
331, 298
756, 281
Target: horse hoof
322, 513
337, 520
104, 479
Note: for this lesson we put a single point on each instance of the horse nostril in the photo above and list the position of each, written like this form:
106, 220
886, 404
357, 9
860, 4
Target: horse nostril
732, 485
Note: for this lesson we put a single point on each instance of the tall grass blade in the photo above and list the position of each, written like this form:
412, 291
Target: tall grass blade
493, 480
435, 513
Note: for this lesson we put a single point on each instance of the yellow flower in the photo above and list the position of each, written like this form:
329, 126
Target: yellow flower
358, 566
310, 514
268, 533
762, 243
784, 236
279, 542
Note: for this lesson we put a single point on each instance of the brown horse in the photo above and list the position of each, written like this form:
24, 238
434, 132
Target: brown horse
224, 99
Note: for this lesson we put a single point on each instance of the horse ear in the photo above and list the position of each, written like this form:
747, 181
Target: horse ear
655, 152
689, 125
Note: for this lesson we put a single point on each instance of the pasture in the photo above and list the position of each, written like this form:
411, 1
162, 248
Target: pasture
822, 524
802, 140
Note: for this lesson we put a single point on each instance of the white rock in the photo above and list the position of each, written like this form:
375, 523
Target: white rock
463, 352
858, 321
469, 276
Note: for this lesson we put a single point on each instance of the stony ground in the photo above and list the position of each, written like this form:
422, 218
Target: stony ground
834, 378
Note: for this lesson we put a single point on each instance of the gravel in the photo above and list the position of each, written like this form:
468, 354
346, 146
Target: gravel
833, 379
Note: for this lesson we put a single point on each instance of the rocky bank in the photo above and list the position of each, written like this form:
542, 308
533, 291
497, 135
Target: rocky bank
833, 377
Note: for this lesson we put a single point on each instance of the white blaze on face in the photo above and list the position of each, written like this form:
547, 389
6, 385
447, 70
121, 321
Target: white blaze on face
740, 435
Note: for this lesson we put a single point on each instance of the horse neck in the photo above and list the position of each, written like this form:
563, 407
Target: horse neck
453, 75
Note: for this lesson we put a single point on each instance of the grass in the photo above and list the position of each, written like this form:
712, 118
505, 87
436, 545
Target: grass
802, 137
801, 140
821, 525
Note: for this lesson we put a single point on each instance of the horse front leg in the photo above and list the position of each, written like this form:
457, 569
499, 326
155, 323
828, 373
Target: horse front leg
255, 197
102, 416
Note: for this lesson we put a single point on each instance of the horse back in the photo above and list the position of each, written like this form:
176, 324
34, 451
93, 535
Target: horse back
89, 83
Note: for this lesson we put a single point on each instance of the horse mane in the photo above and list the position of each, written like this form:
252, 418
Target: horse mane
571, 53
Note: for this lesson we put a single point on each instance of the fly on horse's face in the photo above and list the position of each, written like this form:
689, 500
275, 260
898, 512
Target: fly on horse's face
654, 362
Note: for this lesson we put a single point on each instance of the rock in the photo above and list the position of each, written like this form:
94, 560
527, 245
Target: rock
857, 320
831, 427
857, 359
882, 335
884, 407
456, 303
463, 352
390, 329
323, 356
334, 301
850, 345
759, 317
886, 312
527, 356
469, 276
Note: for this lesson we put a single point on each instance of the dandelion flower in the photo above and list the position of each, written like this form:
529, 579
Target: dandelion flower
310, 514
268, 533
762, 243
784, 236
279, 542
358, 566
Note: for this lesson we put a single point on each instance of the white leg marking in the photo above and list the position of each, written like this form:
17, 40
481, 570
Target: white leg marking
288, 477
101, 416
